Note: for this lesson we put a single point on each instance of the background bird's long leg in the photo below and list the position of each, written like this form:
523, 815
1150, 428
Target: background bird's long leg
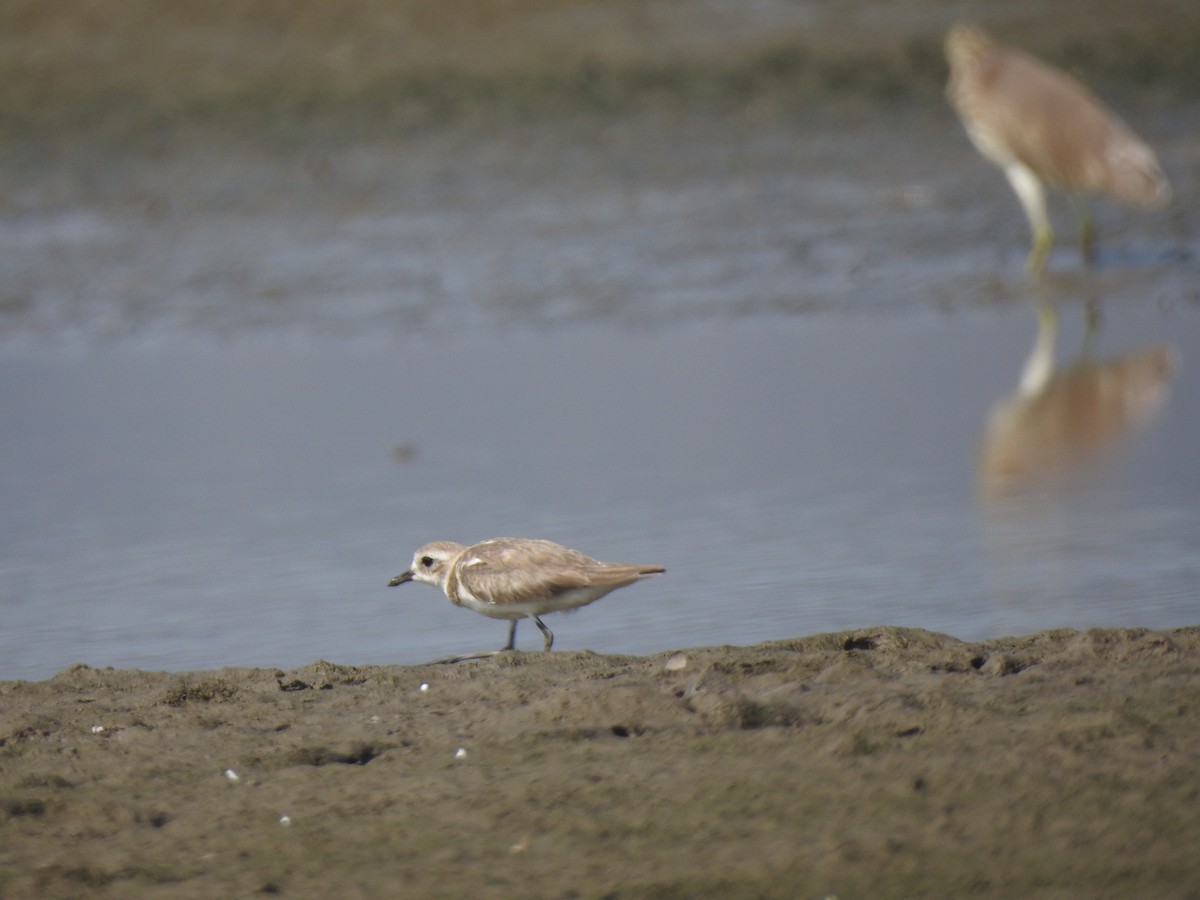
1033, 200
546, 631
1087, 228
512, 636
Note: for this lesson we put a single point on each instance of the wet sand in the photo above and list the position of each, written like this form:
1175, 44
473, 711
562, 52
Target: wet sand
398, 168
883, 762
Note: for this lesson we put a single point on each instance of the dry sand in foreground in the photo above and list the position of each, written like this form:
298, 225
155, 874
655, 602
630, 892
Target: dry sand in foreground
885, 762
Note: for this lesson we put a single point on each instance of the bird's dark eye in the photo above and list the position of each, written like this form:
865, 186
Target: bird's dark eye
426, 562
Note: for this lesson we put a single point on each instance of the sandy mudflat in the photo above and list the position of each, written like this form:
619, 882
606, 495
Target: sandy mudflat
885, 762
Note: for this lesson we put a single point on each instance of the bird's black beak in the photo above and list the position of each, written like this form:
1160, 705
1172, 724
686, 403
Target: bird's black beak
400, 579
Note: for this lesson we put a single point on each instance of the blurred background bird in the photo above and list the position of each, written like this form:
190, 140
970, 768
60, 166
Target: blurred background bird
1043, 127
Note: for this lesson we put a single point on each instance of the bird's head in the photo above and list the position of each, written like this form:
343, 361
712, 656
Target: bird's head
966, 45
1133, 173
430, 564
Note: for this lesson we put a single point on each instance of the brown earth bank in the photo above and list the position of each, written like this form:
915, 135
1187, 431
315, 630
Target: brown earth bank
137, 71
886, 762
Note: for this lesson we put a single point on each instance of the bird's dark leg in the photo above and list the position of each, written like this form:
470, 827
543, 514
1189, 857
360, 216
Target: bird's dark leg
546, 631
512, 636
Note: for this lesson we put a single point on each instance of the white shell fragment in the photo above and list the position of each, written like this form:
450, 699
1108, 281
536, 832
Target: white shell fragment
676, 662
285, 821
460, 753
98, 729
232, 775
424, 687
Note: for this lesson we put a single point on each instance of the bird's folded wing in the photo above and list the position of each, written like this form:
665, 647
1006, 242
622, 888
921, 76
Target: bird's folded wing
498, 582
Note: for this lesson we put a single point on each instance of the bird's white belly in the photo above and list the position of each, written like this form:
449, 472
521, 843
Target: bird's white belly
544, 604
989, 147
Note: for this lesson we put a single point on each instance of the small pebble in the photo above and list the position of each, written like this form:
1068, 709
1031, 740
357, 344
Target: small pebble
285, 820
232, 775
97, 729
676, 662
424, 687
461, 753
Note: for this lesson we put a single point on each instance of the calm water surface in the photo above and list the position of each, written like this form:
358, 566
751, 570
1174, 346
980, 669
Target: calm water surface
194, 503
806, 377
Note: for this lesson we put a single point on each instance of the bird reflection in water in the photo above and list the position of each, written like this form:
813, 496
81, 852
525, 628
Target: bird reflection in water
1060, 422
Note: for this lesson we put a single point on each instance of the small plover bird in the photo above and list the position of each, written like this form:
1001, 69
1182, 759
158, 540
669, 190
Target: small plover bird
515, 578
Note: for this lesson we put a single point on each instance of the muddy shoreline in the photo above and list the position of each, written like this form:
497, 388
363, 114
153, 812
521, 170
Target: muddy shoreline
136, 78
881, 762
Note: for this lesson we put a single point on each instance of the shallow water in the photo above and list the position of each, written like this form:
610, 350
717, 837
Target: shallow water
230, 419
203, 504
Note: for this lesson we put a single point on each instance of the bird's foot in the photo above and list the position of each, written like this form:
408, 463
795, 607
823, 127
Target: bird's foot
466, 657
546, 633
